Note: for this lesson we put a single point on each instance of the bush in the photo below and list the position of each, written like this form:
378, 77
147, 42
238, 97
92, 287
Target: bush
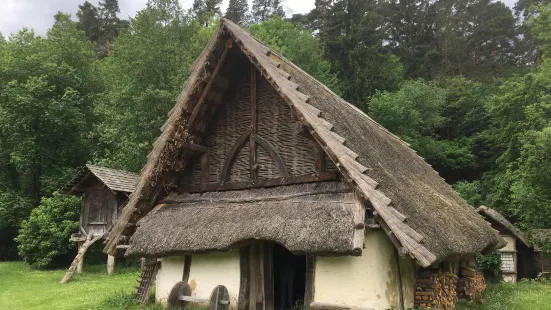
490, 266
44, 238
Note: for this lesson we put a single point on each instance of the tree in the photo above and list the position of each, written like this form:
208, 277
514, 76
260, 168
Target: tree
237, 11
110, 25
44, 238
266, 9
139, 94
89, 21
204, 9
45, 107
350, 34
299, 46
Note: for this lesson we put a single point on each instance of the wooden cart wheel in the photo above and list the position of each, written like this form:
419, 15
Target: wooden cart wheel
219, 298
180, 289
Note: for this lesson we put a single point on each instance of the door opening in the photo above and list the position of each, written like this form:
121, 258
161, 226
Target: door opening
289, 278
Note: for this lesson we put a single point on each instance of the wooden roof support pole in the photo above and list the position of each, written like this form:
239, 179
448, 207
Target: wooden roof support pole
197, 108
252, 142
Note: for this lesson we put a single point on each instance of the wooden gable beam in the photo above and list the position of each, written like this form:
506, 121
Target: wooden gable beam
197, 108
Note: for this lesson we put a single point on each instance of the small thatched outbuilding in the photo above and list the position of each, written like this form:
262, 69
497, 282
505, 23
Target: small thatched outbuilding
266, 182
518, 258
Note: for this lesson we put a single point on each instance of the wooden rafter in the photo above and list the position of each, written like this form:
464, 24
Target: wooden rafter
197, 108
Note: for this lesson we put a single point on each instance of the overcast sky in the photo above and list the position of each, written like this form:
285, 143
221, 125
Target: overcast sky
38, 14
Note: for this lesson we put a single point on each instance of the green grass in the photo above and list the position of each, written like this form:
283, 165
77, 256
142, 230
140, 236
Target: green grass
519, 296
22, 287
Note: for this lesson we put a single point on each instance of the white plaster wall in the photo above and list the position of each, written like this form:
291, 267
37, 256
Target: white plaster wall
368, 281
170, 273
511, 244
206, 272
209, 270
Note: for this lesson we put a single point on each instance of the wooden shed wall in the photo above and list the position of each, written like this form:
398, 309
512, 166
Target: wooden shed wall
99, 208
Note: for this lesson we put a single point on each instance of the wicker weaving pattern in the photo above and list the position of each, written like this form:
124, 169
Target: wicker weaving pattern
276, 126
232, 121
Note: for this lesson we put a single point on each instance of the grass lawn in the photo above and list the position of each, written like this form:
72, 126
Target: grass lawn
519, 296
24, 288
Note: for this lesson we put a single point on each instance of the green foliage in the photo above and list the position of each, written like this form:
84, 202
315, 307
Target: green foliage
490, 266
139, 94
470, 191
299, 46
44, 238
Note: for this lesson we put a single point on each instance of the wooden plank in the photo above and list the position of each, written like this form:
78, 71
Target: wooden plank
309, 289
245, 278
195, 147
359, 218
199, 104
273, 154
254, 122
228, 186
187, 268
319, 157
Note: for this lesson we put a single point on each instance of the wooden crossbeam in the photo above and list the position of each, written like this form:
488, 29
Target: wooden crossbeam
195, 147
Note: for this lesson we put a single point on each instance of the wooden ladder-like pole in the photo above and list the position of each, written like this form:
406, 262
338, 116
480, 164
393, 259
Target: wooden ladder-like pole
79, 256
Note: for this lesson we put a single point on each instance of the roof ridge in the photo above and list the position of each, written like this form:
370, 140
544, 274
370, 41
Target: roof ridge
112, 169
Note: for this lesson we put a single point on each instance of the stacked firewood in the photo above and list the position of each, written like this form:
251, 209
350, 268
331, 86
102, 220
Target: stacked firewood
436, 290
471, 284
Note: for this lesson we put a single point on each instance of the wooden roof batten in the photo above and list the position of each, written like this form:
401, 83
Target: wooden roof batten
409, 241
178, 132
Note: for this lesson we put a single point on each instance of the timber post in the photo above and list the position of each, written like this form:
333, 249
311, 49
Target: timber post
81, 262
110, 264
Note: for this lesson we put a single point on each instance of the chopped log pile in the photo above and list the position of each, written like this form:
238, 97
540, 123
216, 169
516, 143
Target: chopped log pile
471, 284
435, 290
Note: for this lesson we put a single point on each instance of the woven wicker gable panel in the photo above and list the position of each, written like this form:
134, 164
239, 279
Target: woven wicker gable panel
231, 122
240, 169
275, 124
267, 168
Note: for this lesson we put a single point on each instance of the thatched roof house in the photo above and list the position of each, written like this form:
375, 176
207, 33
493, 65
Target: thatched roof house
518, 258
256, 149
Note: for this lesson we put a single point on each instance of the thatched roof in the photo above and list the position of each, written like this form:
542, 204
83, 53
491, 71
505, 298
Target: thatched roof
116, 180
306, 218
416, 207
494, 217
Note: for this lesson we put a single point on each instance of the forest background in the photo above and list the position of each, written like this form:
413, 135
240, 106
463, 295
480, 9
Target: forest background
466, 82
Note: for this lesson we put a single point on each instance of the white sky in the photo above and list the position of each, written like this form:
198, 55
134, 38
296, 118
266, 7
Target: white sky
38, 14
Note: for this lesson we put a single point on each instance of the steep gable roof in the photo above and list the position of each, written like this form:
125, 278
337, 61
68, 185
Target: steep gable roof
420, 212
494, 216
115, 180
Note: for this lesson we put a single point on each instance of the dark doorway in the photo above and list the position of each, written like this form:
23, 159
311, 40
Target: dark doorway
289, 278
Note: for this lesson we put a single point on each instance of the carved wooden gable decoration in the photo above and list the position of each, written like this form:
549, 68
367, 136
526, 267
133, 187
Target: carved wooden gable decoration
253, 141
